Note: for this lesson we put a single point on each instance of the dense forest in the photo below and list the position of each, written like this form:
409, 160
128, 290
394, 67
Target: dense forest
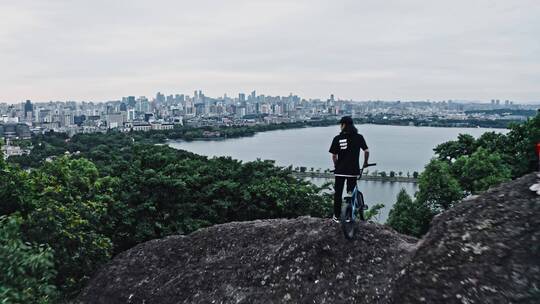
73, 203
466, 166
68, 215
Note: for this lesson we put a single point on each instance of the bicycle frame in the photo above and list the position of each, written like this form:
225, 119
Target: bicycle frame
356, 194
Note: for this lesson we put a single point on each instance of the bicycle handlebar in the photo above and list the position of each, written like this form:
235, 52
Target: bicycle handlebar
362, 169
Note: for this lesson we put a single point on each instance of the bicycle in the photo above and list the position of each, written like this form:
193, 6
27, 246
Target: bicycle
353, 204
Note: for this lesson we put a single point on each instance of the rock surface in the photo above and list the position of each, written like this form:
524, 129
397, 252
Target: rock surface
484, 250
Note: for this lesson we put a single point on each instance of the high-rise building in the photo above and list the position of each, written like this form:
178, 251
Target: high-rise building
131, 101
160, 98
131, 115
28, 109
179, 98
241, 97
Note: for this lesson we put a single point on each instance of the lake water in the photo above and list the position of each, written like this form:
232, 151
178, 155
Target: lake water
397, 148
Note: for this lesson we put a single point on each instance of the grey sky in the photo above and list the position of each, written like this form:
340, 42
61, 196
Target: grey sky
359, 49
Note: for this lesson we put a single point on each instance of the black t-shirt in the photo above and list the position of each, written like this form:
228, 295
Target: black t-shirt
347, 146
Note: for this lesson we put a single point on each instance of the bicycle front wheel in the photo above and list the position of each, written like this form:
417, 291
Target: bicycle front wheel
347, 221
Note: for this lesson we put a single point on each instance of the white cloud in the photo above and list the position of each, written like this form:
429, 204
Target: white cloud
99, 50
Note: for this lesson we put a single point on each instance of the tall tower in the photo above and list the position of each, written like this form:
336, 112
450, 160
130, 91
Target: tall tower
28, 109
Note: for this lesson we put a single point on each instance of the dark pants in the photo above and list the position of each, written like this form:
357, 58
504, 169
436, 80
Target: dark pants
340, 181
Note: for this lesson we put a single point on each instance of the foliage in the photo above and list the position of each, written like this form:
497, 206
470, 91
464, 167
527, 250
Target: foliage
451, 150
520, 152
27, 269
68, 207
438, 189
408, 216
166, 191
516, 149
13, 187
476, 173
44, 146
464, 166
373, 212
116, 190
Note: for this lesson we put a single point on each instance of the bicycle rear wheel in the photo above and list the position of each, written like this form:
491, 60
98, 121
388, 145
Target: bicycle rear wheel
347, 220
361, 205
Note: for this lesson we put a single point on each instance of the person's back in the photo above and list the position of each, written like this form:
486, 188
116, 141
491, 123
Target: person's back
347, 147
345, 151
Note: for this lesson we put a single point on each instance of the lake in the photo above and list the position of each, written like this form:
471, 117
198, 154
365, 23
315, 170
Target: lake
393, 148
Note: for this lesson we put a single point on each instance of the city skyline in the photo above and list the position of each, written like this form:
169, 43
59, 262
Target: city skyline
414, 50
248, 94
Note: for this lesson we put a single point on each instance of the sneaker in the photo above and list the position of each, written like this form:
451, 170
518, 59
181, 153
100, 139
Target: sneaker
335, 219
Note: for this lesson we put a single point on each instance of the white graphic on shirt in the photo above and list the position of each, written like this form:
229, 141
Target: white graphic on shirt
343, 144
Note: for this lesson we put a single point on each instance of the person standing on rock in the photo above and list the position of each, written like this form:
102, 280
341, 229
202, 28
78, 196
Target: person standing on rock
345, 151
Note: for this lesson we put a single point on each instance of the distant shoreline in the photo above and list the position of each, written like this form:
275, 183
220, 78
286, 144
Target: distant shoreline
313, 124
398, 179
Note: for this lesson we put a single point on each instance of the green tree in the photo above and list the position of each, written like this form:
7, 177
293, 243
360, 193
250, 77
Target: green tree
13, 187
481, 170
165, 191
408, 216
520, 147
27, 269
69, 202
415, 174
451, 150
493, 142
438, 189
392, 174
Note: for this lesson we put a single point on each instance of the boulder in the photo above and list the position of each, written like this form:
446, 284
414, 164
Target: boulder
304, 260
485, 249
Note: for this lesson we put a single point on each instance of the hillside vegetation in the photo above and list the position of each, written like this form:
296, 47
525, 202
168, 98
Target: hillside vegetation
482, 250
74, 203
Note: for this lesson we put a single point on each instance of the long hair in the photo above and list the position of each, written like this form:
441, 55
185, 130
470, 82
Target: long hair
349, 128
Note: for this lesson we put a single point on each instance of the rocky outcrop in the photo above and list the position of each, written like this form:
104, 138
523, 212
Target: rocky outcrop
271, 261
485, 250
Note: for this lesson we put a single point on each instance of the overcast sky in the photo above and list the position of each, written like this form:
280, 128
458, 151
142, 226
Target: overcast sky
357, 49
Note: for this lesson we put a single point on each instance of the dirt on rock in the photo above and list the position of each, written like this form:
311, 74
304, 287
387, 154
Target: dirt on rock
484, 250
